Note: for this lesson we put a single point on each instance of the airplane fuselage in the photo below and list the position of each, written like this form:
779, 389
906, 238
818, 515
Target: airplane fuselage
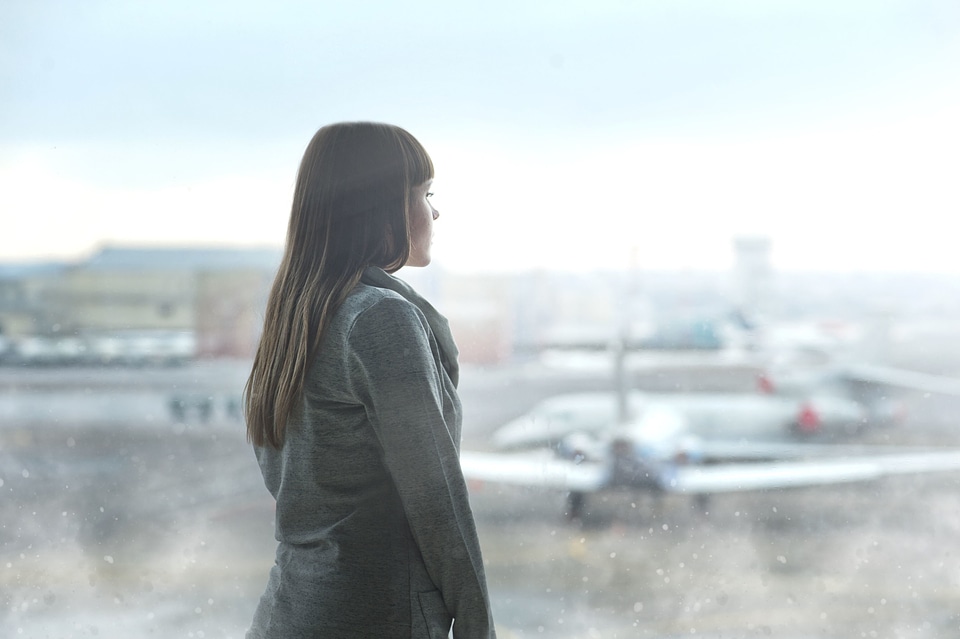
726, 416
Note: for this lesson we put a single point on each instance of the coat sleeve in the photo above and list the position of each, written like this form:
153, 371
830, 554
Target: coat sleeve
394, 372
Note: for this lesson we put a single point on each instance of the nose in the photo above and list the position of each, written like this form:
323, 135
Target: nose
436, 213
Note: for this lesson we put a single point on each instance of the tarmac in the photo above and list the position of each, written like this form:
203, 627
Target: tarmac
123, 517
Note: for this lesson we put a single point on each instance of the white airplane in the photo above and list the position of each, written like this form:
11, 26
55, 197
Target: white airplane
700, 444
690, 444
703, 416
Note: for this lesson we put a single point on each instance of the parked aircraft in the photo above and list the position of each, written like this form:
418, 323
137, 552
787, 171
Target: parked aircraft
701, 444
696, 444
709, 333
628, 463
878, 389
705, 416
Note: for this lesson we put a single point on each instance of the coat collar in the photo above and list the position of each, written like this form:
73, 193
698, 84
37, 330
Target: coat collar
375, 276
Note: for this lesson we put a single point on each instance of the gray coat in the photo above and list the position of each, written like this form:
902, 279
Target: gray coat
376, 536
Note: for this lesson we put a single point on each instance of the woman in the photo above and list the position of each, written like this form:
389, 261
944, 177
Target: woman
353, 410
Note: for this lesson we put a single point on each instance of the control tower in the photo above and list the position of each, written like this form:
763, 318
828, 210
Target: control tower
753, 276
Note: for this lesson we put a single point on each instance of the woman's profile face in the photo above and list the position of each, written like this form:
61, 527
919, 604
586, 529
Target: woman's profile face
422, 214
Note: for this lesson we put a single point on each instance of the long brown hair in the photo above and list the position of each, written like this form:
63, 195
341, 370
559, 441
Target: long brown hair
349, 211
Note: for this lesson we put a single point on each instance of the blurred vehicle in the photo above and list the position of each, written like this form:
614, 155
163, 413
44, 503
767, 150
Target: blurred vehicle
128, 348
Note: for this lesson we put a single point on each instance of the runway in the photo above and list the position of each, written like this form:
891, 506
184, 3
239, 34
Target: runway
121, 518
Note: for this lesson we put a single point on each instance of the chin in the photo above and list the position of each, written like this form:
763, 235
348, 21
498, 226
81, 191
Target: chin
419, 261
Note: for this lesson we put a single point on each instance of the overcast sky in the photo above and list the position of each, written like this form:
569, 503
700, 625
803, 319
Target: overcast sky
565, 134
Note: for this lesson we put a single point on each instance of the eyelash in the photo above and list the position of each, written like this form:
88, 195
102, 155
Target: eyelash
429, 194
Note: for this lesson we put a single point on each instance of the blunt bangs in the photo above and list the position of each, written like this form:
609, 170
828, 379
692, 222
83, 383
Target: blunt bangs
415, 157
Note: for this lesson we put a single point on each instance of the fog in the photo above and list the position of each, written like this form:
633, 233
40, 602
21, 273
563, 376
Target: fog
595, 163
133, 506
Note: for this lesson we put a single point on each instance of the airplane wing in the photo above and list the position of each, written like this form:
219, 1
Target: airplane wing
534, 470
546, 471
749, 451
744, 477
901, 378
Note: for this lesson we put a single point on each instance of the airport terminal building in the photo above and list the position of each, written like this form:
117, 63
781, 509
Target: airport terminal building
164, 305
136, 305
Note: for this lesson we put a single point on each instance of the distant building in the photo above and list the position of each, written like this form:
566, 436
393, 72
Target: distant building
480, 309
228, 315
128, 304
138, 303
27, 305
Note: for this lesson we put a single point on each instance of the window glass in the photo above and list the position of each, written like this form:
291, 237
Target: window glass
740, 211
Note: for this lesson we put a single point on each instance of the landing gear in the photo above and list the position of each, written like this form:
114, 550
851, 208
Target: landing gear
575, 503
